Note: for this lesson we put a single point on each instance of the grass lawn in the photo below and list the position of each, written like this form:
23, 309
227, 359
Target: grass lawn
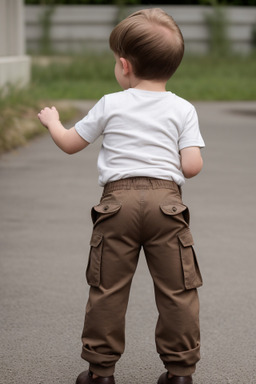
198, 78
92, 76
219, 79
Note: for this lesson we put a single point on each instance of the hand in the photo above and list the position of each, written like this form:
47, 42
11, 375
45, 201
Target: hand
48, 115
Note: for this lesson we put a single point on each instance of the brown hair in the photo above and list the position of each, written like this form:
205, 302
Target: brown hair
152, 41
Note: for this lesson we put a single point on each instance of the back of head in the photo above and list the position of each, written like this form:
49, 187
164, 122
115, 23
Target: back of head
151, 40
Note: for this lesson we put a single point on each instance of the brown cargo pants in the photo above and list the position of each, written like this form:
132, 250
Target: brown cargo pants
149, 213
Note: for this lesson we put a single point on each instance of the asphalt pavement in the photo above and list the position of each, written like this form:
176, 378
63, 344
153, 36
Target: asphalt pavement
45, 227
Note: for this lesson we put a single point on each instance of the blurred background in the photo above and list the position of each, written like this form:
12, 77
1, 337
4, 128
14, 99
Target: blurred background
56, 53
58, 49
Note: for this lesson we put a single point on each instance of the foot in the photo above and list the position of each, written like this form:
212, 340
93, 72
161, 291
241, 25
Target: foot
86, 377
164, 379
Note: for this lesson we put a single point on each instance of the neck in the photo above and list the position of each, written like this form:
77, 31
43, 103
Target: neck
149, 85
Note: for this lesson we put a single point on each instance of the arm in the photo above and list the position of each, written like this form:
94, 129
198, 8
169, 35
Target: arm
66, 139
191, 161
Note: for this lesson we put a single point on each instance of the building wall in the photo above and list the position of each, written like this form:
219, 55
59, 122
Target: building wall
14, 64
81, 28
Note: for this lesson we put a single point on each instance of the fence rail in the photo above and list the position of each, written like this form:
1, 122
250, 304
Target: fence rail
81, 28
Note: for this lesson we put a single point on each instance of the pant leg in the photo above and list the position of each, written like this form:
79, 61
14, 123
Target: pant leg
172, 264
112, 262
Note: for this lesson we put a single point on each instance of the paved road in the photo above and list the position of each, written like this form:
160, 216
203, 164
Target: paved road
45, 227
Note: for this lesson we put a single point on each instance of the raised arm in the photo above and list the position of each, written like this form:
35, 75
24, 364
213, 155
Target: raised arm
191, 161
66, 139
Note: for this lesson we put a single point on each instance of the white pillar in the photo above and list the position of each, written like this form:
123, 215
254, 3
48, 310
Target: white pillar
14, 64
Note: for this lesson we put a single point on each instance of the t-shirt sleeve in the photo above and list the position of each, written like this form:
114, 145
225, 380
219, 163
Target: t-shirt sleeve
190, 135
92, 125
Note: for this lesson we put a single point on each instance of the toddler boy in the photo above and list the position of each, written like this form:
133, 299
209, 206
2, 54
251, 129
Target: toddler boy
151, 143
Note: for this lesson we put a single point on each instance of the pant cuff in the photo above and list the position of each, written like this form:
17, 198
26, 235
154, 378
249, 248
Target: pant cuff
102, 371
179, 370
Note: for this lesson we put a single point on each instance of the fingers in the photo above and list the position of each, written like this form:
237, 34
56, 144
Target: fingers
46, 108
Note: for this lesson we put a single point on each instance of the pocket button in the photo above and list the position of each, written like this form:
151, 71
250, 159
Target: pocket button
174, 209
106, 208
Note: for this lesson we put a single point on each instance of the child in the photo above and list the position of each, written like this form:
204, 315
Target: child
151, 142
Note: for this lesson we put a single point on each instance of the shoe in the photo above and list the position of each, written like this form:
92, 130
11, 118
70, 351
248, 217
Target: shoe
86, 378
164, 379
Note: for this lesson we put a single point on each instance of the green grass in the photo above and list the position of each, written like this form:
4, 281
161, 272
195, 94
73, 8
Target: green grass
210, 78
198, 78
86, 77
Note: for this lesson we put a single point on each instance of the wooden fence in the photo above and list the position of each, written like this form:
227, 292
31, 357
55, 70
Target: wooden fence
87, 28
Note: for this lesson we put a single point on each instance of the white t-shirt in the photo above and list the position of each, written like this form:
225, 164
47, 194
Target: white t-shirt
143, 132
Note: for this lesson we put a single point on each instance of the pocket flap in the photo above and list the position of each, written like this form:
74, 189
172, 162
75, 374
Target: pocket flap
107, 208
186, 238
96, 239
173, 209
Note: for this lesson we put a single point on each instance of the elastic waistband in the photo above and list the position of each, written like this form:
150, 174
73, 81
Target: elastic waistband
140, 183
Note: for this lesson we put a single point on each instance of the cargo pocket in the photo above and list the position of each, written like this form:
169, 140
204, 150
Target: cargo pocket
93, 271
176, 209
104, 211
192, 275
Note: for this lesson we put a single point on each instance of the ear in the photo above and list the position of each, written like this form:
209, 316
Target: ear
127, 67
